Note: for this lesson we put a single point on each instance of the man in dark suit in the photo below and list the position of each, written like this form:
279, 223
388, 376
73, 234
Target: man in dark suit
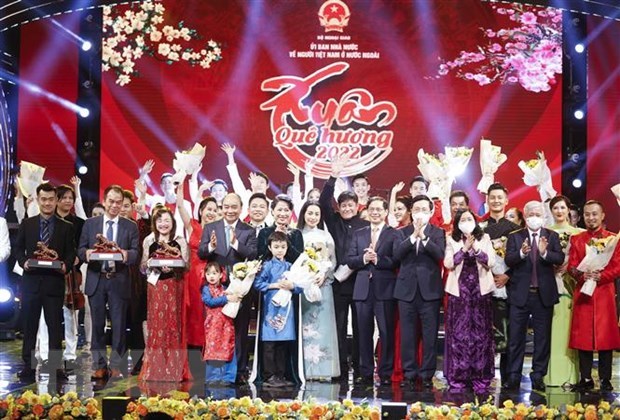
531, 254
109, 282
229, 241
419, 289
44, 288
341, 224
371, 256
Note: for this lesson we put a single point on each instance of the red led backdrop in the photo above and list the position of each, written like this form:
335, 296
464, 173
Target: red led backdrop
169, 107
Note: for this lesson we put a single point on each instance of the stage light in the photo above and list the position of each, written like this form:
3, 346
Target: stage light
579, 114
86, 45
577, 183
83, 169
580, 48
84, 112
5, 295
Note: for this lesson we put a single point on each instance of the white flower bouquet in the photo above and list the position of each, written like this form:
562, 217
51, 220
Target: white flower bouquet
241, 280
598, 254
536, 173
434, 169
187, 161
304, 272
30, 177
616, 191
491, 158
457, 159
500, 267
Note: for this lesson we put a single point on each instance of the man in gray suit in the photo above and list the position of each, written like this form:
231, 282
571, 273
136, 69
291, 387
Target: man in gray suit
109, 282
229, 241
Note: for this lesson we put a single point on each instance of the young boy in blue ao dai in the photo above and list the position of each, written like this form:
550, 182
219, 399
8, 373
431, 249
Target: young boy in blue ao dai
277, 328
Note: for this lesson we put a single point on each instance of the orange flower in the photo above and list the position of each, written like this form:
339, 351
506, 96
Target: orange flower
374, 415
77, 404
91, 409
56, 412
4, 405
295, 406
252, 411
179, 416
282, 408
223, 412
20, 401
142, 410
38, 410
540, 413
318, 411
591, 415
131, 407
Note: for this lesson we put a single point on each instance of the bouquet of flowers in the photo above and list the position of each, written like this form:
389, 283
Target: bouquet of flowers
241, 280
566, 284
598, 253
187, 162
29, 178
616, 191
457, 159
304, 272
536, 173
500, 267
491, 158
435, 170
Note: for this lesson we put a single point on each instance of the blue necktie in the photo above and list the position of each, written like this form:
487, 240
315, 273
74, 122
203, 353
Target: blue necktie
45, 232
110, 236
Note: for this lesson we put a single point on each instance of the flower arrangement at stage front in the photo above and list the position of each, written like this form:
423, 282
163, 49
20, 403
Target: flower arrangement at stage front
44, 406
528, 54
138, 31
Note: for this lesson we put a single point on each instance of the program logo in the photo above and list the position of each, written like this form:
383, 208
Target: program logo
334, 15
354, 124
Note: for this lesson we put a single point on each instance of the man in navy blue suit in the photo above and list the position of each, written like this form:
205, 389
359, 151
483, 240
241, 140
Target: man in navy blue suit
109, 282
370, 254
531, 253
419, 289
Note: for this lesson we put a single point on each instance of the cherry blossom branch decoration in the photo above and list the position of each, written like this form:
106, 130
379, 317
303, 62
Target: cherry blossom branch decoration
141, 30
530, 53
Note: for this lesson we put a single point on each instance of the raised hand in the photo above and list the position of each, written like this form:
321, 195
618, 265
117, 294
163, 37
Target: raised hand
309, 165
213, 240
229, 149
398, 187
76, 182
140, 187
293, 169
338, 164
206, 185
147, 168
525, 247
543, 243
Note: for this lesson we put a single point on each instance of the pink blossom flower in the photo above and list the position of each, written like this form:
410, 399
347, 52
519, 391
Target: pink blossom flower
529, 18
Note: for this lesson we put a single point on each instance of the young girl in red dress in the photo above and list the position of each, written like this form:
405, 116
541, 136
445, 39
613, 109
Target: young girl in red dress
219, 350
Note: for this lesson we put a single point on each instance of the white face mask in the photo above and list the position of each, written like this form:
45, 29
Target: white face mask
534, 222
421, 217
467, 227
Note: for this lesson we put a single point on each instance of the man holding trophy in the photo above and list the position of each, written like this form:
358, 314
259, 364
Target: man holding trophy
45, 249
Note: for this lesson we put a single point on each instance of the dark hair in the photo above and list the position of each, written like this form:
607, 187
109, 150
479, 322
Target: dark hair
221, 182
406, 200
164, 175
218, 267
129, 195
359, 176
204, 203
559, 198
257, 196
47, 187
347, 196
592, 202
158, 212
457, 235
286, 186
383, 201
113, 187
277, 236
301, 220
519, 214
459, 193
262, 175
282, 198
61, 190
421, 197
98, 204
419, 178
497, 186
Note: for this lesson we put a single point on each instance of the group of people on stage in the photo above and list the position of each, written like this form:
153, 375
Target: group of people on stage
389, 268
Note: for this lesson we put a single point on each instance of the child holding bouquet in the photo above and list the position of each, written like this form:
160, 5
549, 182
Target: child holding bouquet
277, 324
219, 350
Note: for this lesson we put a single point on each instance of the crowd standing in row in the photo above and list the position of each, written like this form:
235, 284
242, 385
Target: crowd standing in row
389, 268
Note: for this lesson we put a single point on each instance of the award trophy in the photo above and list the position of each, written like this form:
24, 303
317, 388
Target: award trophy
45, 257
166, 256
106, 250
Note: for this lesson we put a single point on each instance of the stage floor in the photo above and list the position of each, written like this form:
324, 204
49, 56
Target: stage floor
79, 381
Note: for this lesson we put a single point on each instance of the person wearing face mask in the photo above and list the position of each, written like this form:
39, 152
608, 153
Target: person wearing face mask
470, 348
418, 289
531, 254
594, 325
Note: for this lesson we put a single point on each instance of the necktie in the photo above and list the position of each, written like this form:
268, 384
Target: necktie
45, 232
109, 234
534, 258
373, 237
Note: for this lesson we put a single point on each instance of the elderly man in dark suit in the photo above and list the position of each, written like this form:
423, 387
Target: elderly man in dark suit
109, 282
419, 289
370, 255
44, 288
229, 241
531, 253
